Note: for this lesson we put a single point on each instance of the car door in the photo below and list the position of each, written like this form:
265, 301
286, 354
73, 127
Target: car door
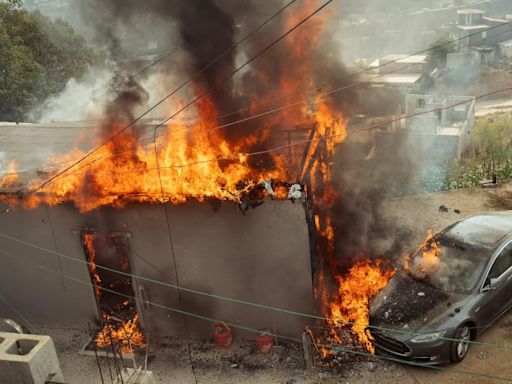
496, 292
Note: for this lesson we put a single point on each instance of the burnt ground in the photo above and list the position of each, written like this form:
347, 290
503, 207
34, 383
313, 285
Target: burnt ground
241, 364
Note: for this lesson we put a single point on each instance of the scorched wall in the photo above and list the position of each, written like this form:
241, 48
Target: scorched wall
263, 257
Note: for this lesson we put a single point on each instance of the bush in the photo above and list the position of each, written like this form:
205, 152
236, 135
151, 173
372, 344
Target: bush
38, 57
489, 154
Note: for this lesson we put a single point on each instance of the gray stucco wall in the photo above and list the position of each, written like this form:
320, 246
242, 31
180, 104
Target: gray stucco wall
261, 257
421, 149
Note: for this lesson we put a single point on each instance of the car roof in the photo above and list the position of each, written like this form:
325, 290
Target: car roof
485, 230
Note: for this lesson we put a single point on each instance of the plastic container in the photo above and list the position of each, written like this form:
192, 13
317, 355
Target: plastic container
265, 341
222, 335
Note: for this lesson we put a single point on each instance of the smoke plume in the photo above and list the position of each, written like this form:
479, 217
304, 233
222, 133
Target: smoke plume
205, 29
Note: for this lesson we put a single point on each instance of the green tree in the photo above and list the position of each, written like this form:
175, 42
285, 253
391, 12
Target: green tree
21, 78
439, 50
38, 57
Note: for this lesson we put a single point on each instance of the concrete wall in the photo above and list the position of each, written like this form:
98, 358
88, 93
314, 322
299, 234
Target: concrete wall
422, 148
506, 50
262, 257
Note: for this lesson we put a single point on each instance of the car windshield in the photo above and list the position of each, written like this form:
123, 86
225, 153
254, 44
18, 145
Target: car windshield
459, 266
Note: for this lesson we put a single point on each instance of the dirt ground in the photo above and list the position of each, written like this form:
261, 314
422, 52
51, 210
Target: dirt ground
170, 361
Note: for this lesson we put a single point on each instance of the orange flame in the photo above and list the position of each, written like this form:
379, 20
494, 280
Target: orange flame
363, 280
196, 160
11, 177
125, 336
88, 240
427, 261
194, 163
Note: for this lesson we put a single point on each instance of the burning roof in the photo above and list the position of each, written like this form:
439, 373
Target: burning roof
201, 159
195, 160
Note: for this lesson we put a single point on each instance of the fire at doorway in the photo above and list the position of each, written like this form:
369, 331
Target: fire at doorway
120, 323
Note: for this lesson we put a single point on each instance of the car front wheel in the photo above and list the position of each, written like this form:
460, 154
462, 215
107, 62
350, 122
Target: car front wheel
460, 346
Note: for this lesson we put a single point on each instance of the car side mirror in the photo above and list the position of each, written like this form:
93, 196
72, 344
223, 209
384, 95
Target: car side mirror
490, 285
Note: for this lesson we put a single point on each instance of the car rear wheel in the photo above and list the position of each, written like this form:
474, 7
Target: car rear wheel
460, 346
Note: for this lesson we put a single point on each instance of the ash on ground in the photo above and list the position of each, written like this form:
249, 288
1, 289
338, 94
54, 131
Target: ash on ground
334, 350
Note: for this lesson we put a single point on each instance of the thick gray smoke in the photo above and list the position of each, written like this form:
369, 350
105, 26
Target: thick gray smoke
204, 29
361, 227
80, 100
126, 94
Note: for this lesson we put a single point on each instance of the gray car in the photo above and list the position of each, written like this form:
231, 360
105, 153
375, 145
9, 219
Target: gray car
432, 320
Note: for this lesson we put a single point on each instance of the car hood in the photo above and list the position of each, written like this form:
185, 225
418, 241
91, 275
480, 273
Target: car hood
409, 304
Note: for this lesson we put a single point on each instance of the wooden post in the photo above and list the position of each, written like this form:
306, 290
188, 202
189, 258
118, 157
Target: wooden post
305, 155
308, 351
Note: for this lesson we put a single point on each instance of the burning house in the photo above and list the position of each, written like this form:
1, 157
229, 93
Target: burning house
238, 239
134, 225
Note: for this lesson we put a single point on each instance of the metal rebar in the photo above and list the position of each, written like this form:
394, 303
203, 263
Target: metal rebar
109, 368
119, 351
96, 353
106, 351
118, 371
130, 347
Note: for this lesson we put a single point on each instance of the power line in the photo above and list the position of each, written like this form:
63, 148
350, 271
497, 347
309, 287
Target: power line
172, 93
204, 93
259, 54
321, 139
156, 127
314, 87
385, 123
258, 115
274, 334
317, 86
131, 77
362, 71
219, 297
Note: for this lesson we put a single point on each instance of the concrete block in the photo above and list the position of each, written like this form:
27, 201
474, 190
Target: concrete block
28, 359
132, 376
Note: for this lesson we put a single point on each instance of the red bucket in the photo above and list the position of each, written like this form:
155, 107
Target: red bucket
265, 341
222, 335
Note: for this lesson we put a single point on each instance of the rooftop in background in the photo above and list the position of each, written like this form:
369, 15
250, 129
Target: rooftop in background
496, 20
507, 43
470, 11
397, 79
397, 69
472, 27
484, 48
402, 59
